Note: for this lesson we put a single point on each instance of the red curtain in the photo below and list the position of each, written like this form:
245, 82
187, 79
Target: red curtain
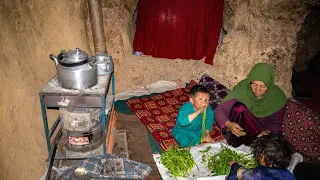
186, 29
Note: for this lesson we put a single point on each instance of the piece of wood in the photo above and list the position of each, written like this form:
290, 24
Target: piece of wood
55, 132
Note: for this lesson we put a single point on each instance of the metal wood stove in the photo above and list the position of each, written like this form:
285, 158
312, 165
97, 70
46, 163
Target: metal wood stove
81, 128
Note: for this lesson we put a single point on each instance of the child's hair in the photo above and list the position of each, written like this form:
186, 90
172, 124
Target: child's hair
198, 88
275, 149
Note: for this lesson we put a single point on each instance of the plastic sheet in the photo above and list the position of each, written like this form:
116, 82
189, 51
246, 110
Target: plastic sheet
203, 173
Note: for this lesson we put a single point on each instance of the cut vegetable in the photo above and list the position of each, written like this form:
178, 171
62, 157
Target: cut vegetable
178, 161
204, 117
218, 163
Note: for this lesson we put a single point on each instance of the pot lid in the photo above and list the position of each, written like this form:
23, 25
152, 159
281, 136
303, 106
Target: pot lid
72, 57
101, 57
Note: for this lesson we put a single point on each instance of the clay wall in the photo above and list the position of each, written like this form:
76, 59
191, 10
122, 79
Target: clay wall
30, 31
258, 31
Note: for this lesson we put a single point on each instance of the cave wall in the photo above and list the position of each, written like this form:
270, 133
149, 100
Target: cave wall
258, 31
308, 39
30, 31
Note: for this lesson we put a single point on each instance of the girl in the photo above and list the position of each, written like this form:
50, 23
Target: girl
273, 154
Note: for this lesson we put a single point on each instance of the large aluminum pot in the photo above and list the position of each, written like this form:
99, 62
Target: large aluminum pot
75, 70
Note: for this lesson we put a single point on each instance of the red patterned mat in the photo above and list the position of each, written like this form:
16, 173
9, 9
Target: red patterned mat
158, 113
301, 127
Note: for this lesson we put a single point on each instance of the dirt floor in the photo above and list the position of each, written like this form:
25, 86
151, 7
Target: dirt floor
138, 143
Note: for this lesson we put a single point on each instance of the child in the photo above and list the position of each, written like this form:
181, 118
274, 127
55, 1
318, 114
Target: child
273, 154
188, 129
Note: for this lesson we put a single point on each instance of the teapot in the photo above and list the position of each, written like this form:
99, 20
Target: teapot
75, 70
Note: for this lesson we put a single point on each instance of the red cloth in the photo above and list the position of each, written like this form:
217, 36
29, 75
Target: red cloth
187, 29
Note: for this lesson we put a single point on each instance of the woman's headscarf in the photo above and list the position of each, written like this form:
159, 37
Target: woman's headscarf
272, 101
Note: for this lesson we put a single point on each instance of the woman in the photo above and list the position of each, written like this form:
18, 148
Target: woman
254, 107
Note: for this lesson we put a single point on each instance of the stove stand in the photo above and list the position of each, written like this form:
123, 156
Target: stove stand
54, 96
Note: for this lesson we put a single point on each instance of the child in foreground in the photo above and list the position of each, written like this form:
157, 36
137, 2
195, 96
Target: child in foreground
273, 154
188, 128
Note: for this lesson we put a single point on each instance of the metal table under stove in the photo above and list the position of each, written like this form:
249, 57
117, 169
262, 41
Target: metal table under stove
54, 96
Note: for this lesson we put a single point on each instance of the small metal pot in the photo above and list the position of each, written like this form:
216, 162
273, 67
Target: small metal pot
104, 63
75, 70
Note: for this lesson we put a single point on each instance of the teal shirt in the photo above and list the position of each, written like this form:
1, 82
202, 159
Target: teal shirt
189, 133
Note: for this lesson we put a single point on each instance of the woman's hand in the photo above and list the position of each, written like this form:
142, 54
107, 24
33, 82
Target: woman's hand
263, 133
235, 128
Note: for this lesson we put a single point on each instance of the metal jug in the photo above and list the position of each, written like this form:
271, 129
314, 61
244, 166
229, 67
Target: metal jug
104, 63
75, 70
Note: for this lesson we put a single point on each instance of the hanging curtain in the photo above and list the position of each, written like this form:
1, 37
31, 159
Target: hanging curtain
186, 29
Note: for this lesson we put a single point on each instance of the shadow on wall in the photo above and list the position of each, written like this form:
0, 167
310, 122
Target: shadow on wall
308, 39
306, 84
305, 74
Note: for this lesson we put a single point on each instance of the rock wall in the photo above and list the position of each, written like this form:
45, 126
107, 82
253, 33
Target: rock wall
258, 31
30, 31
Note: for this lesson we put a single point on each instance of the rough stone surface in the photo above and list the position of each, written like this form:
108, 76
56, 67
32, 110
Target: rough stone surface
228, 16
30, 31
258, 31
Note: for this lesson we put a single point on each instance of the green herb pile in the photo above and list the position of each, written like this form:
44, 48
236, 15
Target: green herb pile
218, 163
178, 161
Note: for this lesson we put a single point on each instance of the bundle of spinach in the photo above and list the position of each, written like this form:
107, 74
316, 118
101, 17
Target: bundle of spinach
178, 161
218, 163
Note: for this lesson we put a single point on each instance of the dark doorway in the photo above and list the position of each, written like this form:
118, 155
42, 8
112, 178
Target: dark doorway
305, 75
306, 84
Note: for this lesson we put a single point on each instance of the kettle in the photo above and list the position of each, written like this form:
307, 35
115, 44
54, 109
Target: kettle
75, 70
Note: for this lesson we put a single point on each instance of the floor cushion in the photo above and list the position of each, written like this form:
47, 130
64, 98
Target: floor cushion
301, 126
216, 89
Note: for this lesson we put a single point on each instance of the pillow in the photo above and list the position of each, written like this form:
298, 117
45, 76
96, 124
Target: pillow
301, 126
217, 90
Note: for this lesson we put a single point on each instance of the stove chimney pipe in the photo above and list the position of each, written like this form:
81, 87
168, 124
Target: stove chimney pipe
99, 39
